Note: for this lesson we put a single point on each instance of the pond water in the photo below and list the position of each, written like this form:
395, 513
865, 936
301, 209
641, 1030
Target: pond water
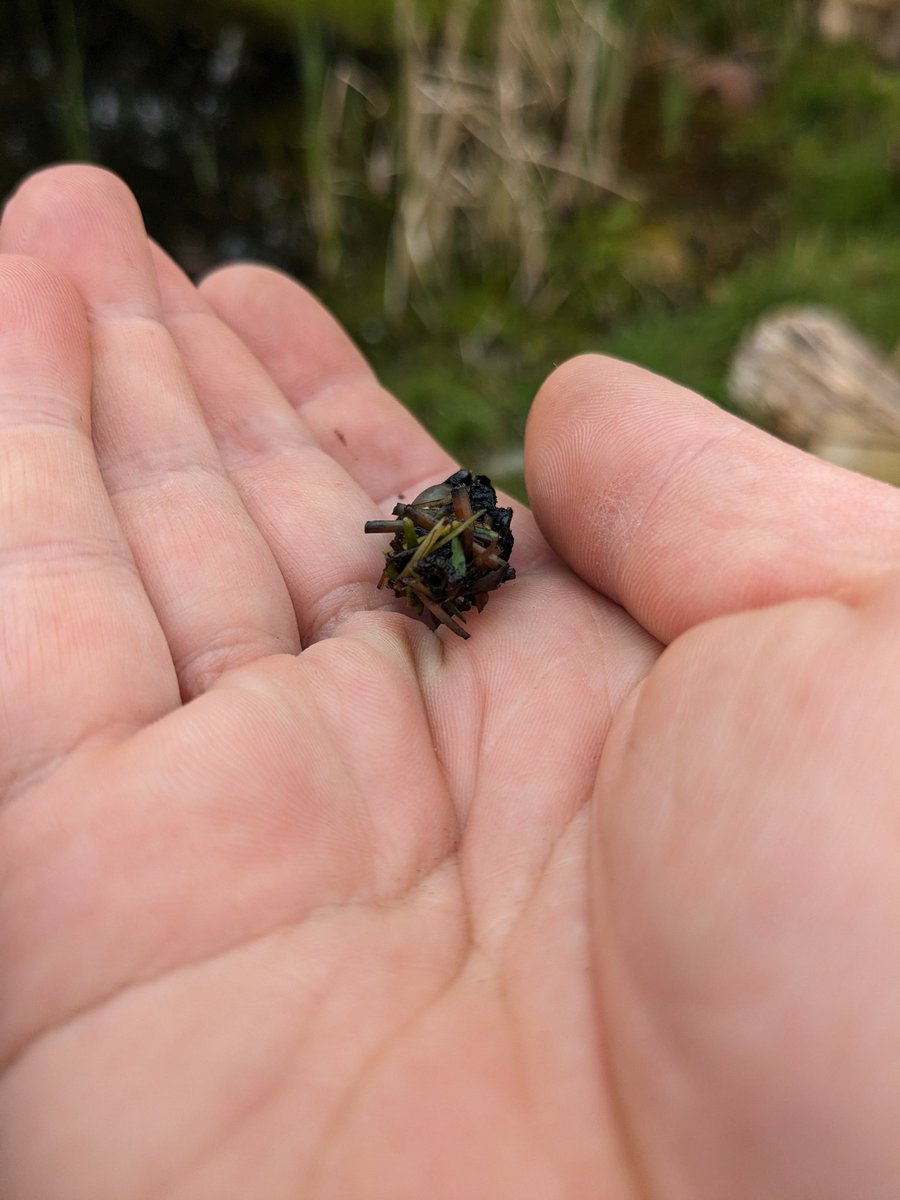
189, 116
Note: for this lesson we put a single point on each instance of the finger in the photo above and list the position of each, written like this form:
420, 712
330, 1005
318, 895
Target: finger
81, 651
323, 375
310, 509
209, 574
303, 502
680, 511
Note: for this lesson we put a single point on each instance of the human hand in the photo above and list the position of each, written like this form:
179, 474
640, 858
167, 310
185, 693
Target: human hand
540, 914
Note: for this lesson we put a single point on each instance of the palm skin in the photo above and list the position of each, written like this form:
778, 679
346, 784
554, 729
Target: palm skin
543, 914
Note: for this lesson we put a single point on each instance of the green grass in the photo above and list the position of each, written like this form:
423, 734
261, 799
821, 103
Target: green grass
856, 276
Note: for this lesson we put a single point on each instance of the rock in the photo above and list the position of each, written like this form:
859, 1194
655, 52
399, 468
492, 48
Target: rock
807, 375
875, 23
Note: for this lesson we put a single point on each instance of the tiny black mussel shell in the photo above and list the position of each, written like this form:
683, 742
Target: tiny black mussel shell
450, 548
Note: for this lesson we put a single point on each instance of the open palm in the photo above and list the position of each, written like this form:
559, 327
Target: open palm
300, 898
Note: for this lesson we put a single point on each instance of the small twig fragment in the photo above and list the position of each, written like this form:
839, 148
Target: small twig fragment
450, 548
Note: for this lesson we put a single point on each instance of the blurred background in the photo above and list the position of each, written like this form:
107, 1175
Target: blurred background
481, 188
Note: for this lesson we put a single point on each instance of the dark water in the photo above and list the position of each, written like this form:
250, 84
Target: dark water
198, 114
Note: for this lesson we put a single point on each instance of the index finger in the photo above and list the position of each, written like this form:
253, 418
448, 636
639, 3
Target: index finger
682, 512
367, 431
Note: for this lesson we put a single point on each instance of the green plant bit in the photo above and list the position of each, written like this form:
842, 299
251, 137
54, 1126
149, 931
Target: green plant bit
450, 548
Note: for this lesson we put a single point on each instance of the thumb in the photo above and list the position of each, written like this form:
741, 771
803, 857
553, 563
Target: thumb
681, 512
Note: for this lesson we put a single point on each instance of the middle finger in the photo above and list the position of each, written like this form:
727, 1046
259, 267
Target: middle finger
308, 508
